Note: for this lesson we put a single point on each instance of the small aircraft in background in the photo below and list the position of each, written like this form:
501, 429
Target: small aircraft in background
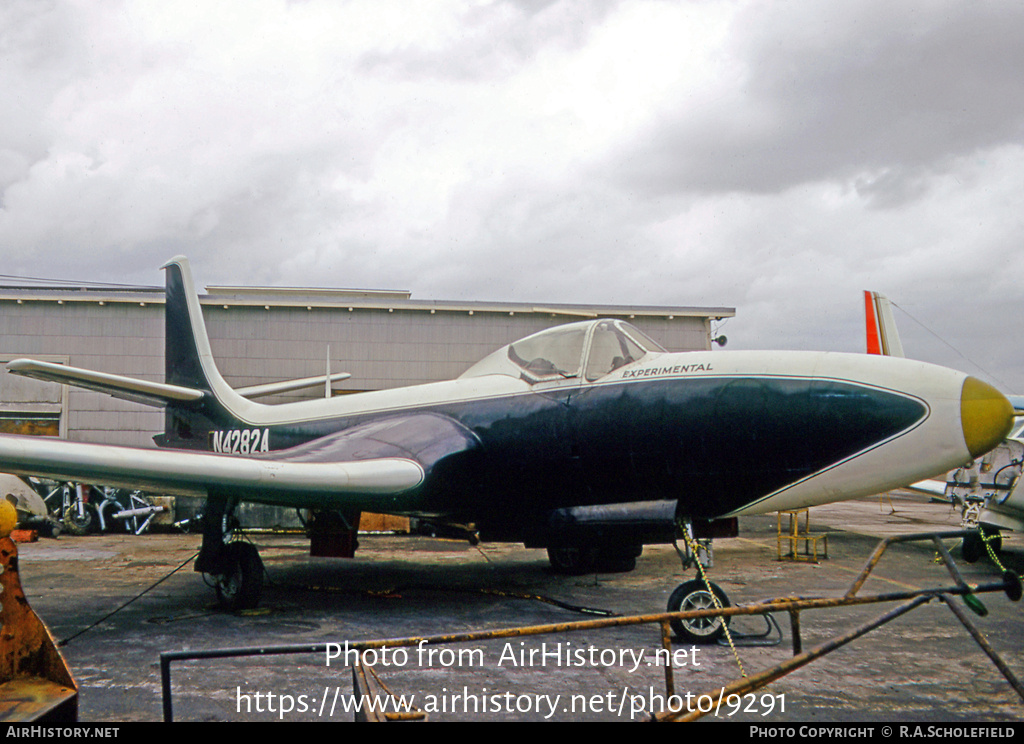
988, 490
588, 439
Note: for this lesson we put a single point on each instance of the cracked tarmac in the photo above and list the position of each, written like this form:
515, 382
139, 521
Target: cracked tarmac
921, 667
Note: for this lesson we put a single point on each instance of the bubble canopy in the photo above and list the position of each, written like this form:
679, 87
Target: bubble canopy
588, 349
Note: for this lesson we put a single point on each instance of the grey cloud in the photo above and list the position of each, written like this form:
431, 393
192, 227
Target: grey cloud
837, 90
494, 41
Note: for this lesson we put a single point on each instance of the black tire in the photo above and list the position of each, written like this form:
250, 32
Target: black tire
615, 564
77, 524
241, 586
973, 546
618, 559
694, 595
572, 560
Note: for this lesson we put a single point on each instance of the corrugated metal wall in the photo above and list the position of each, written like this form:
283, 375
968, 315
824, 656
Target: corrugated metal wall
384, 349
256, 343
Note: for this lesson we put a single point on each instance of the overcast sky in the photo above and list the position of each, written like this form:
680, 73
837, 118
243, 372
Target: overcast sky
775, 157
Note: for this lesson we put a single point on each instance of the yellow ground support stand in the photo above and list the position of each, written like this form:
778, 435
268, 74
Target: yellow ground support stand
794, 535
35, 682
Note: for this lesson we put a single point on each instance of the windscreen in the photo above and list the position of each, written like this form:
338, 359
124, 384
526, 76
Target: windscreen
554, 352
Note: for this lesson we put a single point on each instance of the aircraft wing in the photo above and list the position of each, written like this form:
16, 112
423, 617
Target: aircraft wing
376, 465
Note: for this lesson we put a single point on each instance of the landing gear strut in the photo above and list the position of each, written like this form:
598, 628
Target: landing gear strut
232, 567
697, 594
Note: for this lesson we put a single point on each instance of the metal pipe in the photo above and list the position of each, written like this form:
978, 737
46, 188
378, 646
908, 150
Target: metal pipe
794, 626
792, 605
884, 544
985, 645
749, 684
666, 645
760, 608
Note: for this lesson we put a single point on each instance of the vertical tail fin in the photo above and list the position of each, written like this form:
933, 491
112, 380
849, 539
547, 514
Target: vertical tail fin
882, 335
185, 338
188, 361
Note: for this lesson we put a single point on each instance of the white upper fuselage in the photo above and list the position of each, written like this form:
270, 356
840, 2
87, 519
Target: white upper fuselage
933, 445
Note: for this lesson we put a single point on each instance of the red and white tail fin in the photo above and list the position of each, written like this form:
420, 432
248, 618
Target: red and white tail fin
882, 335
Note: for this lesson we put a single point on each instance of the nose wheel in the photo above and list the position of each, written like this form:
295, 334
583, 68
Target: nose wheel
698, 595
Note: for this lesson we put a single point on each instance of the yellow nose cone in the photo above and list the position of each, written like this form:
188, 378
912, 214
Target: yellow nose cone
986, 416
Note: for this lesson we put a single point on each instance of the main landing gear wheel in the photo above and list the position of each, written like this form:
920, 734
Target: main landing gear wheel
694, 595
242, 583
77, 523
576, 559
618, 558
572, 560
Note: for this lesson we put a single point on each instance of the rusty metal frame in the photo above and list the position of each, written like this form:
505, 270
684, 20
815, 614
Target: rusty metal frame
35, 681
1010, 585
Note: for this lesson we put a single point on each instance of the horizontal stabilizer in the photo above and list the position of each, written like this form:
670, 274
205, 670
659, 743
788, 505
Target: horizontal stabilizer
119, 386
287, 386
145, 391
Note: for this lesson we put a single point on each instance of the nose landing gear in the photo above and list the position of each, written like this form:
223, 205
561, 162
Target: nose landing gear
698, 595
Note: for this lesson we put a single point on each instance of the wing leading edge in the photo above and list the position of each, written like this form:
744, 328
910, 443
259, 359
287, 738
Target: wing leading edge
180, 471
378, 465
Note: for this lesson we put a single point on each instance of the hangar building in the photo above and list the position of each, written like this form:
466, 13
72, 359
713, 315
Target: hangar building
383, 338
265, 334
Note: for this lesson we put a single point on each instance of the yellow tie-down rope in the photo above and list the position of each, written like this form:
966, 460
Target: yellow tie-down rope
714, 597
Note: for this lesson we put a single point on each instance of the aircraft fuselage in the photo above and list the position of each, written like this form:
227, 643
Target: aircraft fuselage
718, 432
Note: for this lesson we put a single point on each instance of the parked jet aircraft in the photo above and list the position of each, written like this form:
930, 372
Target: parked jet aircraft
588, 439
989, 489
